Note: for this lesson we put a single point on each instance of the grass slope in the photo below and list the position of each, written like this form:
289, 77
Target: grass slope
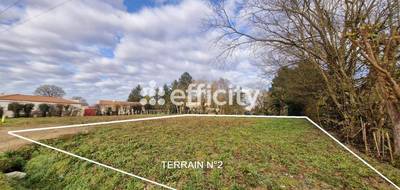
257, 154
4, 184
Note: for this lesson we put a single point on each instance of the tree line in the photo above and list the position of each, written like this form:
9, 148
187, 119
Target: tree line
182, 83
338, 60
44, 109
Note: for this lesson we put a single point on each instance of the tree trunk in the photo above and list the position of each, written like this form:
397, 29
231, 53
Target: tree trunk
394, 114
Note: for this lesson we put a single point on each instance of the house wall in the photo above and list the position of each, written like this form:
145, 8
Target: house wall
121, 110
4, 105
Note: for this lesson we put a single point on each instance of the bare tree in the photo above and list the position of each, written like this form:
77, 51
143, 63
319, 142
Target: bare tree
331, 35
49, 90
379, 44
81, 100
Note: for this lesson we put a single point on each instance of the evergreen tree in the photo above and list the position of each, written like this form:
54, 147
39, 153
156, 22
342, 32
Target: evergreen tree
167, 97
185, 80
136, 94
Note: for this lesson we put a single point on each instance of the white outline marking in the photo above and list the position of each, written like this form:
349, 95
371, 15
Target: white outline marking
175, 116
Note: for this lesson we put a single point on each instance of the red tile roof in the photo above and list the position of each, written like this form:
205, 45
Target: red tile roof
31, 98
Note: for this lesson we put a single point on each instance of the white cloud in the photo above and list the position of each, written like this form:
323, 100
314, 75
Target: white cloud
64, 47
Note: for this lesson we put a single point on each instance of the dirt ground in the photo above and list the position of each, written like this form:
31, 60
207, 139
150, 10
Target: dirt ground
8, 142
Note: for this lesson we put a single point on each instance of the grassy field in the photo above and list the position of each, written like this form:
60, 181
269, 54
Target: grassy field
256, 154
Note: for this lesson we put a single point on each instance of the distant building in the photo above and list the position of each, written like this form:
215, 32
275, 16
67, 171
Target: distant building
113, 107
5, 100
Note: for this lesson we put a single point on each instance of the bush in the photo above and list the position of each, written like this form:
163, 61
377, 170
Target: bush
28, 109
53, 110
5, 163
1, 112
11, 162
16, 160
44, 108
15, 107
56, 110
59, 109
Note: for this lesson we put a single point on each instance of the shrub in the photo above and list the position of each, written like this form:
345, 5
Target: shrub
53, 110
16, 160
59, 109
15, 107
5, 163
11, 162
28, 109
1, 112
44, 108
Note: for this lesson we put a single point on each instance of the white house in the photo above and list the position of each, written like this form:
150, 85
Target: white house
36, 101
113, 107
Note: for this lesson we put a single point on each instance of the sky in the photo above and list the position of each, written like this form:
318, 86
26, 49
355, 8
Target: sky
103, 49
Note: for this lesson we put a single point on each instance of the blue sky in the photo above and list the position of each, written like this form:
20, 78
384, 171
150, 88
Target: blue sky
102, 49
136, 5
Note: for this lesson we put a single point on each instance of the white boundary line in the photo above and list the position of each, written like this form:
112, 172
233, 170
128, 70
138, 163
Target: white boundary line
175, 116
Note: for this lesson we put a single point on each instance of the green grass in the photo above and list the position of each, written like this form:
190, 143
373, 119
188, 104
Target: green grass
257, 154
4, 184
